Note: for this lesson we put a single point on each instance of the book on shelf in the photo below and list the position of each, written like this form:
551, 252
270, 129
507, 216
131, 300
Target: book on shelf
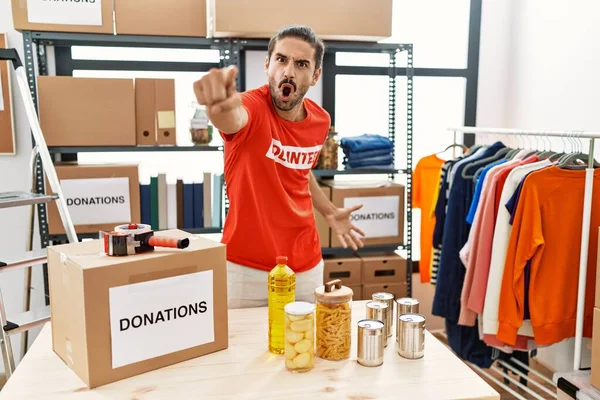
183, 204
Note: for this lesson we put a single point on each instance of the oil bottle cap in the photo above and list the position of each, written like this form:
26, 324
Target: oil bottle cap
281, 260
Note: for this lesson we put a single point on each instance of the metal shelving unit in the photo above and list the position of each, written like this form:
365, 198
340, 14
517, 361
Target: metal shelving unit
231, 52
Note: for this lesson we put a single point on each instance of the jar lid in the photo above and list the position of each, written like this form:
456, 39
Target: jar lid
299, 308
333, 291
382, 296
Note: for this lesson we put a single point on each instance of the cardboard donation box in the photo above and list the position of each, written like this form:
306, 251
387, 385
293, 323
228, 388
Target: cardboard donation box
348, 270
98, 197
117, 317
90, 16
160, 17
595, 378
87, 111
331, 19
381, 217
383, 268
397, 289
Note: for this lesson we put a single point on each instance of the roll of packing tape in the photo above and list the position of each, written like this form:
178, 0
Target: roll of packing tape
133, 229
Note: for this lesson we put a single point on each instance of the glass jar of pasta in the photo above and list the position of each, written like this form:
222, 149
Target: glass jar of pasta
299, 336
334, 321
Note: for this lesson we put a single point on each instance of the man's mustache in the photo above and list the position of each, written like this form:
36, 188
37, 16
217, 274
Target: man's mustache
288, 81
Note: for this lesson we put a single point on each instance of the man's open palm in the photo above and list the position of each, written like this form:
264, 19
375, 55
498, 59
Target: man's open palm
341, 226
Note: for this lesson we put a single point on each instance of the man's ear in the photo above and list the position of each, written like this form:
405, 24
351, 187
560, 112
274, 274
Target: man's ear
266, 63
316, 76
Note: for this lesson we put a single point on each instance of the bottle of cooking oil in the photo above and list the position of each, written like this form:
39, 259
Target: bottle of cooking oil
282, 290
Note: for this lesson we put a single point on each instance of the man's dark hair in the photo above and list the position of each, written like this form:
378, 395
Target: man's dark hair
303, 33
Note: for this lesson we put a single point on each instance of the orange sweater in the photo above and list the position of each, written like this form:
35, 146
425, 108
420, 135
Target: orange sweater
547, 230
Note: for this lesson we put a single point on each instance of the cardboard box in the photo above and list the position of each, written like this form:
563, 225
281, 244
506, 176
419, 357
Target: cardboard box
155, 112
397, 289
87, 111
381, 217
358, 292
331, 20
112, 317
597, 300
80, 16
595, 379
160, 17
99, 197
384, 268
348, 270
7, 128
322, 225
165, 112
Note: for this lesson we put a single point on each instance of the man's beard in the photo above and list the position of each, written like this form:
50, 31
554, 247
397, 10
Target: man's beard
299, 92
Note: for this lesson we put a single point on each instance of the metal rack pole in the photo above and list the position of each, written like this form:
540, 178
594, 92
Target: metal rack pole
409, 164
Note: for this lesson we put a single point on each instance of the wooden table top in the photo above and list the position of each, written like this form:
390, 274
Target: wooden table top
246, 370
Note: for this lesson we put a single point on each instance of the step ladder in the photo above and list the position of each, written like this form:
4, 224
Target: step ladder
13, 325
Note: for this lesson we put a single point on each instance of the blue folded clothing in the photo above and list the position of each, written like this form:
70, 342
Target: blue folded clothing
371, 161
386, 166
365, 142
351, 155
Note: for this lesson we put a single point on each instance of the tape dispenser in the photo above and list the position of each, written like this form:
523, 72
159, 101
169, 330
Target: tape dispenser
132, 239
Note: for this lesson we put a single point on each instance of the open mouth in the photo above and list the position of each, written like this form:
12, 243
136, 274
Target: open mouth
286, 90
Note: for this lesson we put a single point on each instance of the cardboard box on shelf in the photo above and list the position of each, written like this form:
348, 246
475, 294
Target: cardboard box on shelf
383, 268
322, 225
71, 116
64, 16
397, 289
331, 20
160, 17
98, 197
382, 214
347, 269
155, 111
7, 127
117, 317
358, 292
595, 378
165, 112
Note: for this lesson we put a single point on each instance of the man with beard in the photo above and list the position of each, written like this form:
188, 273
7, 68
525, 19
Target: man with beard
273, 136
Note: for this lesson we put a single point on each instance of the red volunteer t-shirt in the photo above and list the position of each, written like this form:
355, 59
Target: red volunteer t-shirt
267, 166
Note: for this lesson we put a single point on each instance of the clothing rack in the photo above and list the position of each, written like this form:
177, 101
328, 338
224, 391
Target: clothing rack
587, 210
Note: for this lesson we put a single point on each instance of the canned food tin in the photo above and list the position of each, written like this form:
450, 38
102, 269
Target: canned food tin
387, 298
405, 305
370, 342
379, 311
411, 341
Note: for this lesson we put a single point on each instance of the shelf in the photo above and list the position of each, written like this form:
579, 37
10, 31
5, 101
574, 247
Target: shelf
333, 45
356, 171
339, 251
17, 199
27, 259
200, 231
112, 149
27, 320
104, 39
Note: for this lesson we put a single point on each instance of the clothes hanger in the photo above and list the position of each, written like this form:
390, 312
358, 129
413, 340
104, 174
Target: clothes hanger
500, 154
546, 153
567, 161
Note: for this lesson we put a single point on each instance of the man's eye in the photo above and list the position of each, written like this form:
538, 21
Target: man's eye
280, 59
302, 64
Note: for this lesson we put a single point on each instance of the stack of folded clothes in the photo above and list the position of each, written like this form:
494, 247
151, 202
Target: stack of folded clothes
367, 151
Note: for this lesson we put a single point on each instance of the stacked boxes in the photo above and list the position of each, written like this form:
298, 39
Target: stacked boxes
369, 273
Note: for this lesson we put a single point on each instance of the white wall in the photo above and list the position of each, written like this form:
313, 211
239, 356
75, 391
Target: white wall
14, 175
539, 69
